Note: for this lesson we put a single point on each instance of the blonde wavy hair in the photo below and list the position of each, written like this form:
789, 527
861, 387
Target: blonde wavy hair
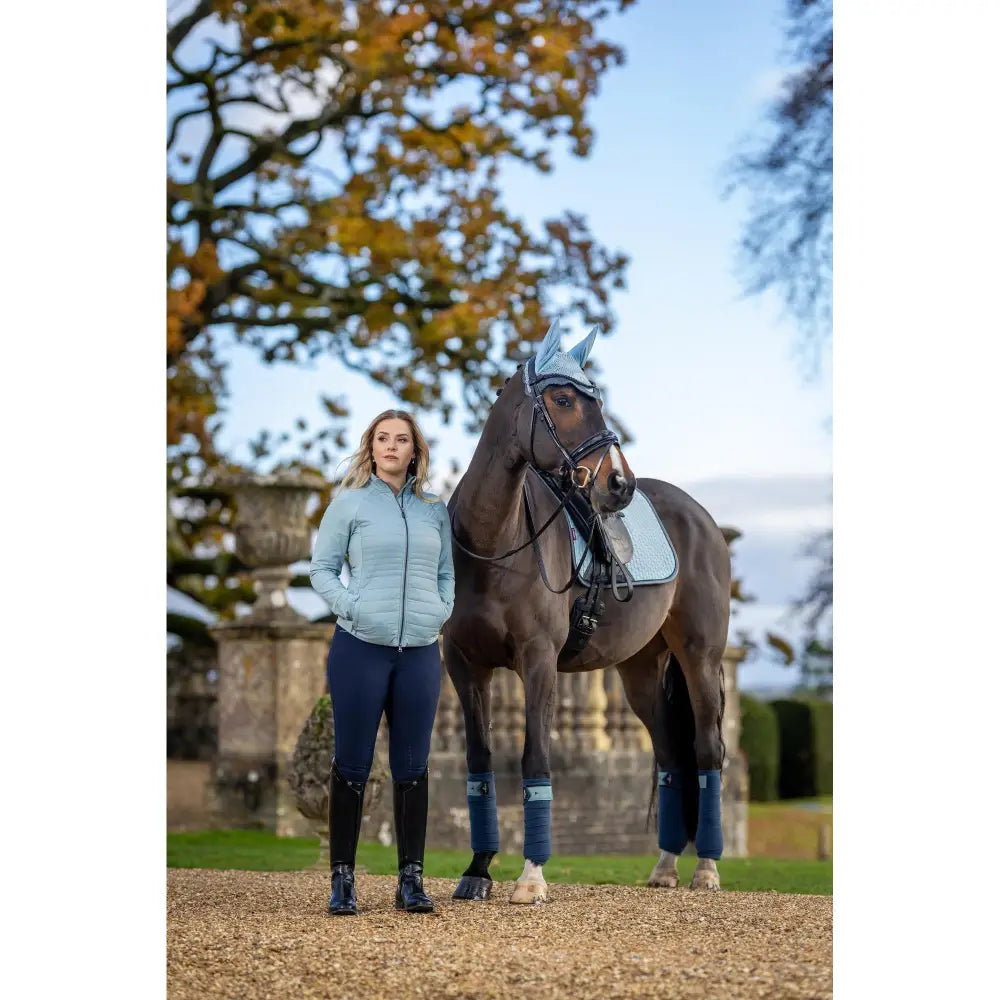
361, 465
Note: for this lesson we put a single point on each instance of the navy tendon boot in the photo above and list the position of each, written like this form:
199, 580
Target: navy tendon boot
346, 800
409, 804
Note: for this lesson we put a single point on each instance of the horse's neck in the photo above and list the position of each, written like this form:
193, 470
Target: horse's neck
489, 506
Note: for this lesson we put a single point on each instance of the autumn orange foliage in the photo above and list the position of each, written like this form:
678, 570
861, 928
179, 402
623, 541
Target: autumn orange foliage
334, 186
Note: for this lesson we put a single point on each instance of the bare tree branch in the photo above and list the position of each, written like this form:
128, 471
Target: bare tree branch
788, 172
182, 28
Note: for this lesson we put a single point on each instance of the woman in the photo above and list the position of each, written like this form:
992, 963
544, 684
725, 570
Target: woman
396, 541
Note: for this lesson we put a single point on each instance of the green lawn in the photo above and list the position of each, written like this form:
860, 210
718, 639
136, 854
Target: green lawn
789, 828
255, 850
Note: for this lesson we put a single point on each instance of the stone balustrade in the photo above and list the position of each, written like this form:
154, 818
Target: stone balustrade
602, 768
592, 715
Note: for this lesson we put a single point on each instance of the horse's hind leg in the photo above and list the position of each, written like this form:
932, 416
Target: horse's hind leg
472, 684
641, 678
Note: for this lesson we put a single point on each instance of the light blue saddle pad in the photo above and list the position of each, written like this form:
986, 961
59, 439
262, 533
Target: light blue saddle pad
653, 557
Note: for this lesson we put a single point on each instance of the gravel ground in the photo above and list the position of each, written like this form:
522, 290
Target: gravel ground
256, 935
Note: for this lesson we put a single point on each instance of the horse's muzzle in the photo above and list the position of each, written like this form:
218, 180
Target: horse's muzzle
616, 496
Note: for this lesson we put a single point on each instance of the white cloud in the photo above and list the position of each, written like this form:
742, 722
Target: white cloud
784, 520
766, 503
768, 85
181, 604
307, 602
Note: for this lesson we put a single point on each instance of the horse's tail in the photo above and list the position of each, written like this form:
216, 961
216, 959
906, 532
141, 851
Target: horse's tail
679, 720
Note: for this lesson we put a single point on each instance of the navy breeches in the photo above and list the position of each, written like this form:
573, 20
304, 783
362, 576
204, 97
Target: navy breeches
366, 680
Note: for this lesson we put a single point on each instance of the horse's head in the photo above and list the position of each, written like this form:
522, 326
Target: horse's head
562, 429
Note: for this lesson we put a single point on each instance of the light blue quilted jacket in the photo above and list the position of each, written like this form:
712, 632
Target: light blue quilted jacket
398, 551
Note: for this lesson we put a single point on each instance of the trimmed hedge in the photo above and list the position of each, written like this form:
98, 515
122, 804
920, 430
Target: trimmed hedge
805, 739
823, 746
759, 741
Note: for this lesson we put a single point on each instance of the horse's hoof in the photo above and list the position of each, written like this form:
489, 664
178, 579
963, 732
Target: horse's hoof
663, 880
473, 887
705, 880
530, 892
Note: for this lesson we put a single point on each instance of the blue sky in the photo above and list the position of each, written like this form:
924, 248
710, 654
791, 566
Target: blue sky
705, 378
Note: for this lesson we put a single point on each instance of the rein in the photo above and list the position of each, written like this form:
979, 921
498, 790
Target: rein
533, 539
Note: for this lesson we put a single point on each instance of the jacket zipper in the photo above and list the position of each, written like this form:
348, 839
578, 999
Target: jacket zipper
406, 557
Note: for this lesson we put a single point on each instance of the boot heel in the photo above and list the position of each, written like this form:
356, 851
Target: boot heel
343, 901
410, 895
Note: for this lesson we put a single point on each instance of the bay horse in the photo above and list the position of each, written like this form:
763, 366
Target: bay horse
666, 642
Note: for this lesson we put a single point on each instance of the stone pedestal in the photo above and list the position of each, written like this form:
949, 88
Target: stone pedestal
269, 679
272, 661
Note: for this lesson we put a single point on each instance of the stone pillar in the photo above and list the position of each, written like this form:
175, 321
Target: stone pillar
624, 728
615, 698
563, 741
449, 728
507, 715
271, 662
590, 701
735, 780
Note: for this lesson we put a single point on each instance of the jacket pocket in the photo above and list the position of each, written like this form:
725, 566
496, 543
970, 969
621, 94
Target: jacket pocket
367, 624
358, 614
439, 619
443, 614
353, 598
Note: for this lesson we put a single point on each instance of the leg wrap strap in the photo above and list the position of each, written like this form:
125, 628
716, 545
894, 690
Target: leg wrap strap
484, 830
537, 819
671, 828
708, 839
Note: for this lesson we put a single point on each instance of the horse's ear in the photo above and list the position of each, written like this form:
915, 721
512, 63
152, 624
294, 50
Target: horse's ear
581, 352
549, 346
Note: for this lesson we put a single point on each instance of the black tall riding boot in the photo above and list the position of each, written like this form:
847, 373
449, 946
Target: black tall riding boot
409, 805
346, 800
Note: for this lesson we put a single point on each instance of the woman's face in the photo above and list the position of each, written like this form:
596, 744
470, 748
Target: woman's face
392, 447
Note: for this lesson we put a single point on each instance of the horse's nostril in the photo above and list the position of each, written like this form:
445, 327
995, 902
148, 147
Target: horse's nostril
617, 483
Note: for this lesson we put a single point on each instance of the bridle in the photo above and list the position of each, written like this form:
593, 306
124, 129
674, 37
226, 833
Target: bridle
572, 477
533, 386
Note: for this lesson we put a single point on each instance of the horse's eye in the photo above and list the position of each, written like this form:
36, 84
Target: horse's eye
563, 401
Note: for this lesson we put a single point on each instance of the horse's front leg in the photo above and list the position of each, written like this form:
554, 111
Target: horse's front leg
702, 666
472, 684
538, 661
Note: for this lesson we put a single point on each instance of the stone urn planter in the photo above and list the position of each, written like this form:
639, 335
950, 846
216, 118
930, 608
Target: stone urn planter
272, 532
309, 776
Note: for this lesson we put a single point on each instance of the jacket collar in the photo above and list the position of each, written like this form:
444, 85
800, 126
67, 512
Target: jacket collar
380, 484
